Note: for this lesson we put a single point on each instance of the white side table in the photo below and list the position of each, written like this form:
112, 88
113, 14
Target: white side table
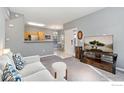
60, 70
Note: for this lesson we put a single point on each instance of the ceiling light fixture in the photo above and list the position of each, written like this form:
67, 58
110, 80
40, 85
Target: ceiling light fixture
35, 24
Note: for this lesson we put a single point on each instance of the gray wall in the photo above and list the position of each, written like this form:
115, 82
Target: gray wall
15, 41
106, 21
2, 28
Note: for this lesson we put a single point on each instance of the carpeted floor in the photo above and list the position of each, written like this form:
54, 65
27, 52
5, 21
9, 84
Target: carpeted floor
78, 71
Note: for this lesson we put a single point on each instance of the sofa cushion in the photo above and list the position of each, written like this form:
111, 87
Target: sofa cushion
19, 62
31, 68
10, 56
3, 61
10, 74
31, 59
43, 75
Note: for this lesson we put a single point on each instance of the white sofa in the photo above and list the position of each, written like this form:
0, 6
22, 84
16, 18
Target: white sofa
33, 69
43, 75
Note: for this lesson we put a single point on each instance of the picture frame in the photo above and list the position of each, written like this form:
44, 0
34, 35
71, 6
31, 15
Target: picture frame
80, 35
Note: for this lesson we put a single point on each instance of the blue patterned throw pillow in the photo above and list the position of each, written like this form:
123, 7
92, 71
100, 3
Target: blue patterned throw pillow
10, 74
19, 62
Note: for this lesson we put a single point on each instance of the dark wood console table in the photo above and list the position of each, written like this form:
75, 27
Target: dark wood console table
105, 61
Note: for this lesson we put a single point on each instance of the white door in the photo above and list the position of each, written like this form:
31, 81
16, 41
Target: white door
69, 42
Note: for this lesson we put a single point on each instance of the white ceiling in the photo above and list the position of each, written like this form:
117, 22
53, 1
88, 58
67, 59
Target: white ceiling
51, 16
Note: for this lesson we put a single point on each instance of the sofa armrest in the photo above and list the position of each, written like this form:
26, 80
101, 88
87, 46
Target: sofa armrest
32, 59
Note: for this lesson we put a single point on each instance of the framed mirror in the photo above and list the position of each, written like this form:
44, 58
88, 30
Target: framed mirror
80, 35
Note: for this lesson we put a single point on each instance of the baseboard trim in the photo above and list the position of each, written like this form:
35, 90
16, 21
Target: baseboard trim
48, 55
120, 69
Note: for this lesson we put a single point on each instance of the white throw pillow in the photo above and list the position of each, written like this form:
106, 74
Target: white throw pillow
10, 56
3, 61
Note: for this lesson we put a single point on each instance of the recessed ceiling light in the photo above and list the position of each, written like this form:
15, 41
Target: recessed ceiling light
11, 25
35, 24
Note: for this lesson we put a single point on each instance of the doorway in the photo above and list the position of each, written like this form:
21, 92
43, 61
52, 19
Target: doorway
70, 41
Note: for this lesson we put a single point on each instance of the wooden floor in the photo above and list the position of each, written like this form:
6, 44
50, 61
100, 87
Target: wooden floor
78, 71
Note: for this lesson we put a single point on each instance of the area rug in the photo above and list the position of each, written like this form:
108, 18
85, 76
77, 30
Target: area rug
77, 71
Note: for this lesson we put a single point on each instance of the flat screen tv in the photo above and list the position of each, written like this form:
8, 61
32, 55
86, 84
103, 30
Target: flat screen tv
102, 43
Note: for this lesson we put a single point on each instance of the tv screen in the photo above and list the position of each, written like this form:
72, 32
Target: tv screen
103, 43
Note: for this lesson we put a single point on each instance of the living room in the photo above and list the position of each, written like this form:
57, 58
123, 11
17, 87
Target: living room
21, 34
